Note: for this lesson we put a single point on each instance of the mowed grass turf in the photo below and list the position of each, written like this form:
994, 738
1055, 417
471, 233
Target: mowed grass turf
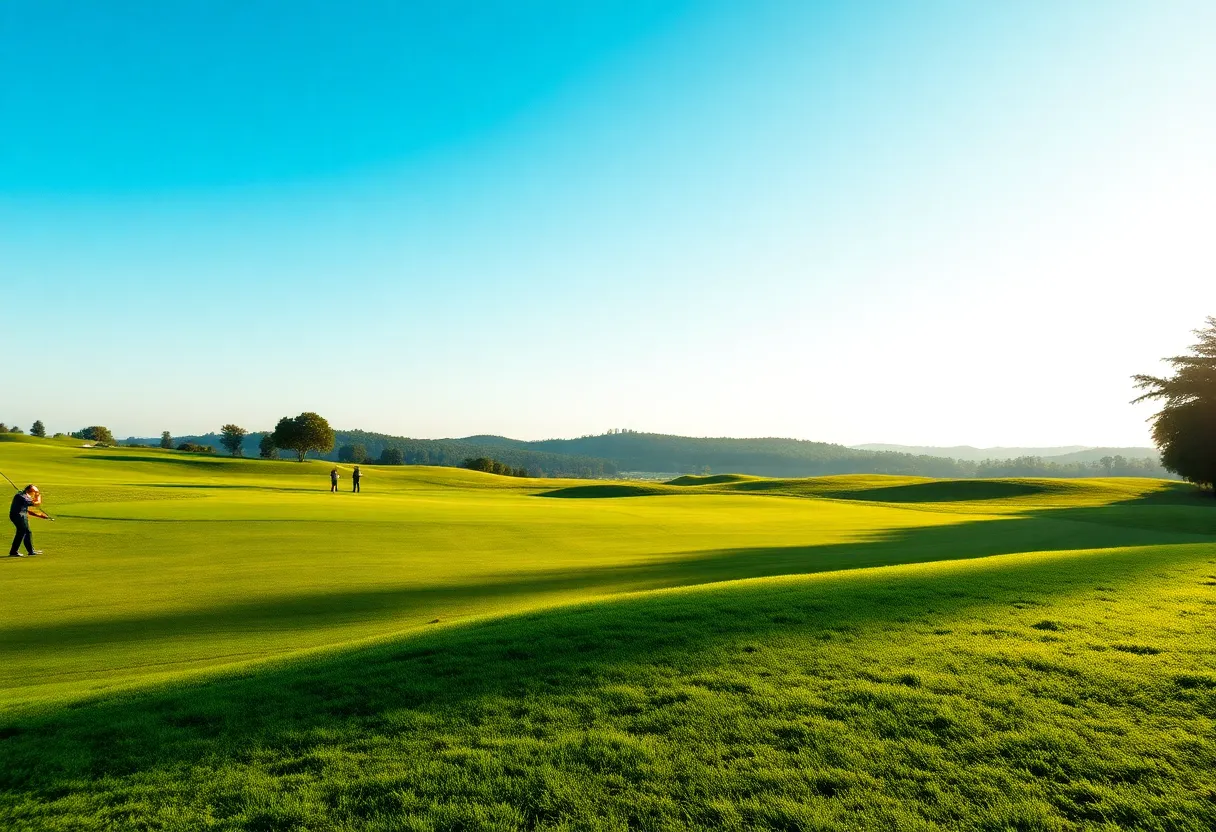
218, 644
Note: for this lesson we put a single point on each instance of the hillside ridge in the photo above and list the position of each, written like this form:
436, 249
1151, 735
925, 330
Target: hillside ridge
635, 454
1058, 453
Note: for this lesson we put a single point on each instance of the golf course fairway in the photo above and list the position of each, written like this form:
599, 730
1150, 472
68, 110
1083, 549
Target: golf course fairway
222, 644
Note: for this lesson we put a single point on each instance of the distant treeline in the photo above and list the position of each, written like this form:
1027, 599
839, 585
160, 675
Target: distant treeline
1035, 466
609, 454
633, 451
454, 452
372, 448
493, 466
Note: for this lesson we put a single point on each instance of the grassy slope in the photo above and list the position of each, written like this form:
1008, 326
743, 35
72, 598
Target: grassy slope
1069, 687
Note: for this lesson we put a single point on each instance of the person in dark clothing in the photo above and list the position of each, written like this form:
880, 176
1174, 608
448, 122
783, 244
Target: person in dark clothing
355, 477
24, 504
333, 481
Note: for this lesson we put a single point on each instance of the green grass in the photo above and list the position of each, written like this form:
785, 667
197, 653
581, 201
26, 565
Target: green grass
222, 644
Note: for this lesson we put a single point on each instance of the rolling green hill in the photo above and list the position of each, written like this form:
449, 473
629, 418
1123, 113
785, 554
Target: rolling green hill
212, 643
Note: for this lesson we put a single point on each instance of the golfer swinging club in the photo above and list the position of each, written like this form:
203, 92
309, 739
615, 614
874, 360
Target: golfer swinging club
24, 503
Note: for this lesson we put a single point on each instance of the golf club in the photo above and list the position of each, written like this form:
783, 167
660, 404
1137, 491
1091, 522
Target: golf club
18, 490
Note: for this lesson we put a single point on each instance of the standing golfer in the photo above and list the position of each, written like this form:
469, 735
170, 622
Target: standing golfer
355, 476
333, 481
24, 505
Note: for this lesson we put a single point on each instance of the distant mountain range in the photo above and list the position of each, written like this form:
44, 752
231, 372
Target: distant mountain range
1064, 453
617, 452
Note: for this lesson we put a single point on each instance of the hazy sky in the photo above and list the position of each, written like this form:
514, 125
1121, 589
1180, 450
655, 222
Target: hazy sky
921, 222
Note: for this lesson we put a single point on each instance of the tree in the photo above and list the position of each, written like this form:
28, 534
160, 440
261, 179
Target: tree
306, 432
38, 429
15, 429
95, 433
267, 449
166, 441
391, 456
231, 437
1185, 428
353, 453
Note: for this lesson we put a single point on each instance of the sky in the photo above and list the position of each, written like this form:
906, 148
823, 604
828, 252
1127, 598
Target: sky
911, 222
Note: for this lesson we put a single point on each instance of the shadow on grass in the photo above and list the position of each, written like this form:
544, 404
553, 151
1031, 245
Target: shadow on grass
411, 605
945, 491
593, 492
958, 491
709, 479
444, 681
930, 491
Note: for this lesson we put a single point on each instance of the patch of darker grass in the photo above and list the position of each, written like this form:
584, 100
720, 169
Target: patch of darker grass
1192, 681
606, 491
945, 491
713, 479
1137, 649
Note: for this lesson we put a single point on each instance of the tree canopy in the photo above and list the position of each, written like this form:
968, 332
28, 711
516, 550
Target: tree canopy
231, 437
95, 433
1185, 428
353, 453
38, 429
304, 433
493, 466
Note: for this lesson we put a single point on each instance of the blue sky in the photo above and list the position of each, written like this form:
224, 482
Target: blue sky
930, 222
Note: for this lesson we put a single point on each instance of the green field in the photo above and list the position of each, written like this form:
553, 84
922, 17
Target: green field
222, 644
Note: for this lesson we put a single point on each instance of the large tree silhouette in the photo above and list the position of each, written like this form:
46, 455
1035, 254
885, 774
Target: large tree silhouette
1185, 429
306, 432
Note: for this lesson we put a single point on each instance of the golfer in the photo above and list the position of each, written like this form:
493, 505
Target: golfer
24, 505
333, 481
355, 476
